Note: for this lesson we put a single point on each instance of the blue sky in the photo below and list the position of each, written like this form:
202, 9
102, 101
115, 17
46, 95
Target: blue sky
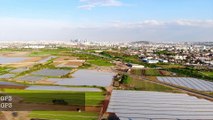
107, 20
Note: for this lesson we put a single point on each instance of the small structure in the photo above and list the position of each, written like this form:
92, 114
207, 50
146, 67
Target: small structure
151, 61
163, 61
135, 66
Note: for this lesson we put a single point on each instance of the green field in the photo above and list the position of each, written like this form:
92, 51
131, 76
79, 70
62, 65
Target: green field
63, 115
136, 72
47, 52
191, 72
4, 70
44, 53
92, 59
38, 96
152, 72
148, 86
210, 74
211, 93
100, 62
167, 66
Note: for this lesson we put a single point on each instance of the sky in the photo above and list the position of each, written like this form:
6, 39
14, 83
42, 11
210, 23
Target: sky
106, 20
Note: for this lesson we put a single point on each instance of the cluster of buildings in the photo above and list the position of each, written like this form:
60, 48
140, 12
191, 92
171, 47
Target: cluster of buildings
177, 53
186, 54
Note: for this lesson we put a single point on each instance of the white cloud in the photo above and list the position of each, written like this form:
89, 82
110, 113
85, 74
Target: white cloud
89, 4
203, 23
151, 30
156, 23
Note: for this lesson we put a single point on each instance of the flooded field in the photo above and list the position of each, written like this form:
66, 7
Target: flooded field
30, 78
51, 72
8, 60
86, 78
60, 88
9, 83
46, 59
6, 76
19, 70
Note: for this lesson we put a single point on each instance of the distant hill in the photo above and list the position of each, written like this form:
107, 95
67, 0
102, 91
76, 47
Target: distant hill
204, 43
140, 42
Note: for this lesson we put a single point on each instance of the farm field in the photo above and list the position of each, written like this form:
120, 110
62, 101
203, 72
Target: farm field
211, 93
100, 62
192, 83
148, 86
6, 60
19, 70
30, 78
68, 61
208, 74
44, 52
9, 83
6, 76
4, 70
17, 62
51, 72
150, 72
61, 88
64, 115
35, 96
167, 66
46, 59
86, 78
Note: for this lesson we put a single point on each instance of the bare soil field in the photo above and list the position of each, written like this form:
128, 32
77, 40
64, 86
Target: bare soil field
68, 61
12, 87
8, 115
65, 58
15, 54
26, 63
103, 69
75, 63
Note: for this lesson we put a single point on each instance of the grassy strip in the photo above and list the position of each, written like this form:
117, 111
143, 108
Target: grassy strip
63, 115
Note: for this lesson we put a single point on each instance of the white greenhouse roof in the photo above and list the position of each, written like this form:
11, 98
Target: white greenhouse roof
145, 105
192, 83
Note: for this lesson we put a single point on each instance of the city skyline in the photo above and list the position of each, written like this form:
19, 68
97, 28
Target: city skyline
107, 20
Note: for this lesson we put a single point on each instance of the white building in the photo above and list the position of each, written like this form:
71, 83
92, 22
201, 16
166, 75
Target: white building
35, 46
135, 66
152, 61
